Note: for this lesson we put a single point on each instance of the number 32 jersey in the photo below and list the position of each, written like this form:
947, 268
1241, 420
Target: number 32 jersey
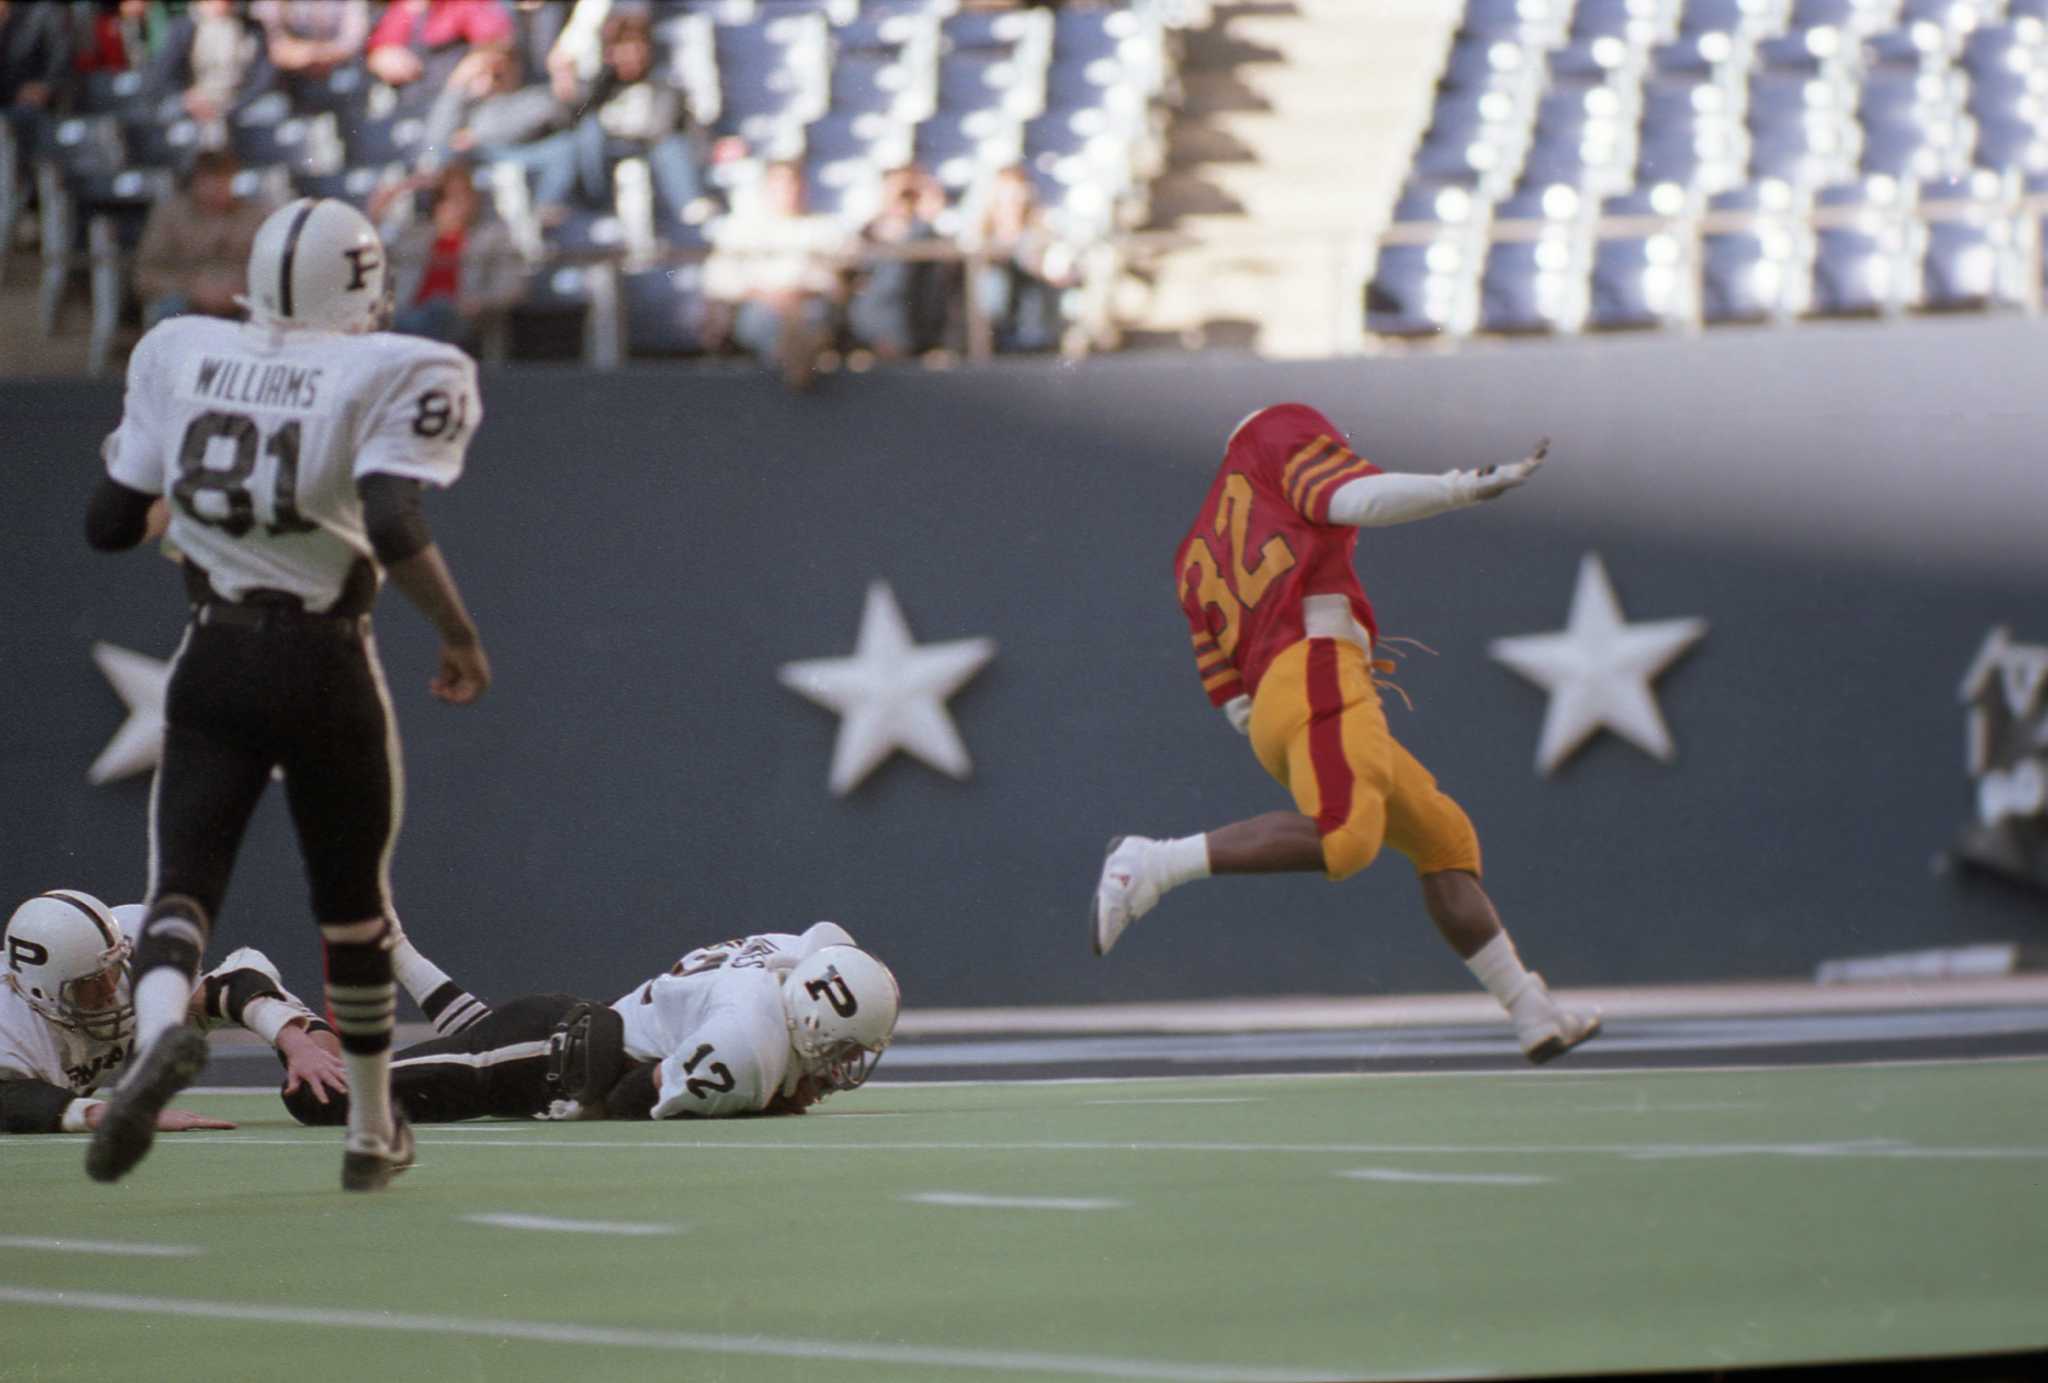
1263, 561
258, 438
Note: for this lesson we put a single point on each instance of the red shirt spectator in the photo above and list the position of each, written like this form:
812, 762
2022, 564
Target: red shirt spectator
443, 277
417, 42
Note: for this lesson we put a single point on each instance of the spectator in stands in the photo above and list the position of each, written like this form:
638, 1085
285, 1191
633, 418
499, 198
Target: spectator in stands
213, 58
115, 36
772, 279
308, 40
635, 112
417, 44
194, 255
1028, 267
902, 306
453, 267
485, 112
35, 51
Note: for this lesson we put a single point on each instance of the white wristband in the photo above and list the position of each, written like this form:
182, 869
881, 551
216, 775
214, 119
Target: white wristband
268, 1016
75, 1113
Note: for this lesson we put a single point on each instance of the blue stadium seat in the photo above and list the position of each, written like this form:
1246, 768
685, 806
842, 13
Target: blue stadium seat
152, 143
1971, 260
664, 312
1857, 259
959, 148
1639, 276
111, 93
1538, 284
1748, 269
1420, 289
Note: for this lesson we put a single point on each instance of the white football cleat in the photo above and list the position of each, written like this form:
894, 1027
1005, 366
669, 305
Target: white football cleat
1125, 892
1547, 1031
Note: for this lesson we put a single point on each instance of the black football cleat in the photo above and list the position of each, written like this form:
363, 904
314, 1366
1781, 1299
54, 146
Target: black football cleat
127, 1125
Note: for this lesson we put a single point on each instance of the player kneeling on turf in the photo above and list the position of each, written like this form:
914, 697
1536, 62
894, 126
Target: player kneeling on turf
766, 1024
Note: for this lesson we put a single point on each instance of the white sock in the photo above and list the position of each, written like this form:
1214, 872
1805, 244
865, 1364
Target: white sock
1180, 861
369, 1092
1497, 967
160, 1000
419, 975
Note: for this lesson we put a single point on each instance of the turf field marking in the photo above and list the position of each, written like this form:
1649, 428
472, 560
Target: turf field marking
671, 1341
1447, 1178
969, 1201
1872, 1147
1649, 1107
111, 1247
1188, 1099
507, 1220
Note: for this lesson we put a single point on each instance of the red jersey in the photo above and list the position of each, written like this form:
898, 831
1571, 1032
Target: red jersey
1263, 544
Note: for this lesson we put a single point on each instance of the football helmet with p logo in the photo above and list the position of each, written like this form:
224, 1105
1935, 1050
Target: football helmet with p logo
318, 263
842, 1005
60, 947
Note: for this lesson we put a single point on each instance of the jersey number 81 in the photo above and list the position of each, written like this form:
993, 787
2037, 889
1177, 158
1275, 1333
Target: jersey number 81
235, 510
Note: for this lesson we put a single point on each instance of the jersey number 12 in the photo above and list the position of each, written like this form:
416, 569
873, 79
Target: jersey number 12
231, 482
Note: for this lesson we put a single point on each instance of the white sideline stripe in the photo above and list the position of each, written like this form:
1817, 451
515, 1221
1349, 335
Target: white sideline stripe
1447, 1178
515, 1051
672, 1341
968, 1200
1190, 1099
113, 1247
506, 1220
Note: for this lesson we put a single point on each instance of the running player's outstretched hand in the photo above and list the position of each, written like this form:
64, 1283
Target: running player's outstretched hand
464, 674
1495, 481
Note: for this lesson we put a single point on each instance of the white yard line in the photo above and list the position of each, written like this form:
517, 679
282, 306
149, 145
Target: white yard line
1192, 1099
111, 1247
624, 1228
666, 1341
1395, 1174
968, 1200
1877, 1148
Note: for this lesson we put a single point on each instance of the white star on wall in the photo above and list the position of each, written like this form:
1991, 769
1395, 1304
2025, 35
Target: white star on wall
139, 743
891, 694
1598, 671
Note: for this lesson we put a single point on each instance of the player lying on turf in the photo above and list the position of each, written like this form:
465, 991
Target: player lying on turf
766, 1024
67, 1016
1283, 638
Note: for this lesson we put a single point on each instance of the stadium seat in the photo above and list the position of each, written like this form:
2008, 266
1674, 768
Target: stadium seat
1534, 280
1971, 259
1750, 255
1641, 276
960, 148
1859, 243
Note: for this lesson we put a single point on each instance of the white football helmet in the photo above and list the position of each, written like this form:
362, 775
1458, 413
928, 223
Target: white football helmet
842, 1005
318, 263
56, 943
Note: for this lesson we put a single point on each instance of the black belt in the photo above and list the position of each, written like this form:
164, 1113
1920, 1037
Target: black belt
275, 615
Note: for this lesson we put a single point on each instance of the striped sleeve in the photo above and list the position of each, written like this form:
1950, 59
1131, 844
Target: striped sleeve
1316, 472
1219, 675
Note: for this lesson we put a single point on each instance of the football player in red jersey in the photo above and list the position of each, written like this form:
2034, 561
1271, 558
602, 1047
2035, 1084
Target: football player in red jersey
1283, 640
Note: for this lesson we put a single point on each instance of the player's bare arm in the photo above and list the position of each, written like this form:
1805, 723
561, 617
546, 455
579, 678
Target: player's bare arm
398, 534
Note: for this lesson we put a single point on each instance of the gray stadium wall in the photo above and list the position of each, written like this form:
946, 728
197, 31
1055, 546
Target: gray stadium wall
1850, 509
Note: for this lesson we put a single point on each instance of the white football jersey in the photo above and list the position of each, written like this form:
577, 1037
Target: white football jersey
33, 1046
778, 951
258, 437
720, 1035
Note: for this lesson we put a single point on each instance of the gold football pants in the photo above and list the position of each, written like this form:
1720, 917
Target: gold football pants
1318, 727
